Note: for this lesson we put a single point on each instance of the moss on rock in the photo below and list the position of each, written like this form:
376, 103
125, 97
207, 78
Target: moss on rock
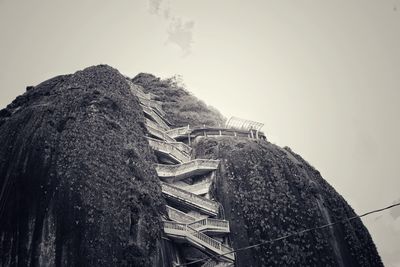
78, 186
77, 183
268, 192
182, 108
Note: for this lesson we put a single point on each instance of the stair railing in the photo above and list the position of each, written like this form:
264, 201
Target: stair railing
179, 131
169, 149
190, 197
159, 119
216, 223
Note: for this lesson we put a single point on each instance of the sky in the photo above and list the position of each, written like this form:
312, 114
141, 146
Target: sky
323, 76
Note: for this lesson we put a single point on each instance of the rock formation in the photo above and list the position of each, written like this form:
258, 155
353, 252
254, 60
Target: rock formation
76, 176
97, 169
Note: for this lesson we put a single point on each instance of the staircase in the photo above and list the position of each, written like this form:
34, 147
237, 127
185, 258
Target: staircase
138, 91
156, 132
210, 225
194, 217
180, 216
201, 188
199, 224
155, 117
190, 200
153, 124
184, 170
182, 147
171, 150
176, 133
198, 239
213, 263
152, 104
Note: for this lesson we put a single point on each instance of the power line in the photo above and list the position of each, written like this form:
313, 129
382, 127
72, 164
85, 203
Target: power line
293, 234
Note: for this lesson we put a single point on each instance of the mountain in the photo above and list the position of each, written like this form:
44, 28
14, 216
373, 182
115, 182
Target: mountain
77, 183
99, 169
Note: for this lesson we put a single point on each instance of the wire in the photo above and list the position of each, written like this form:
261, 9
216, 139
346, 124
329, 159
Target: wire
292, 234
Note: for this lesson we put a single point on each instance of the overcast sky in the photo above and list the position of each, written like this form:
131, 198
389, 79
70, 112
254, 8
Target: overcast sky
323, 76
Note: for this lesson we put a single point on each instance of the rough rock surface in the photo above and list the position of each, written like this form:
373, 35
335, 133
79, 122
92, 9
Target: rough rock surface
78, 187
269, 192
76, 177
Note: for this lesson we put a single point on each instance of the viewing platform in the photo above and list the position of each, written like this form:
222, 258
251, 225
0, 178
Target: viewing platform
202, 241
190, 200
188, 133
172, 151
181, 171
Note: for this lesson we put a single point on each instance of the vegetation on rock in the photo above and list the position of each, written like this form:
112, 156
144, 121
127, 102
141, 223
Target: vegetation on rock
78, 187
269, 192
182, 107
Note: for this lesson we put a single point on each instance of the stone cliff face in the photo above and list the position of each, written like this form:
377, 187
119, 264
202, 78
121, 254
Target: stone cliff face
76, 177
78, 185
269, 192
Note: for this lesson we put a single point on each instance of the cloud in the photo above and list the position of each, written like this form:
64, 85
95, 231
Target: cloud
181, 34
154, 6
167, 13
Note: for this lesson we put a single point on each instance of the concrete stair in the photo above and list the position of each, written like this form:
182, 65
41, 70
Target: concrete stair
190, 200
155, 117
184, 170
202, 241
174, 151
